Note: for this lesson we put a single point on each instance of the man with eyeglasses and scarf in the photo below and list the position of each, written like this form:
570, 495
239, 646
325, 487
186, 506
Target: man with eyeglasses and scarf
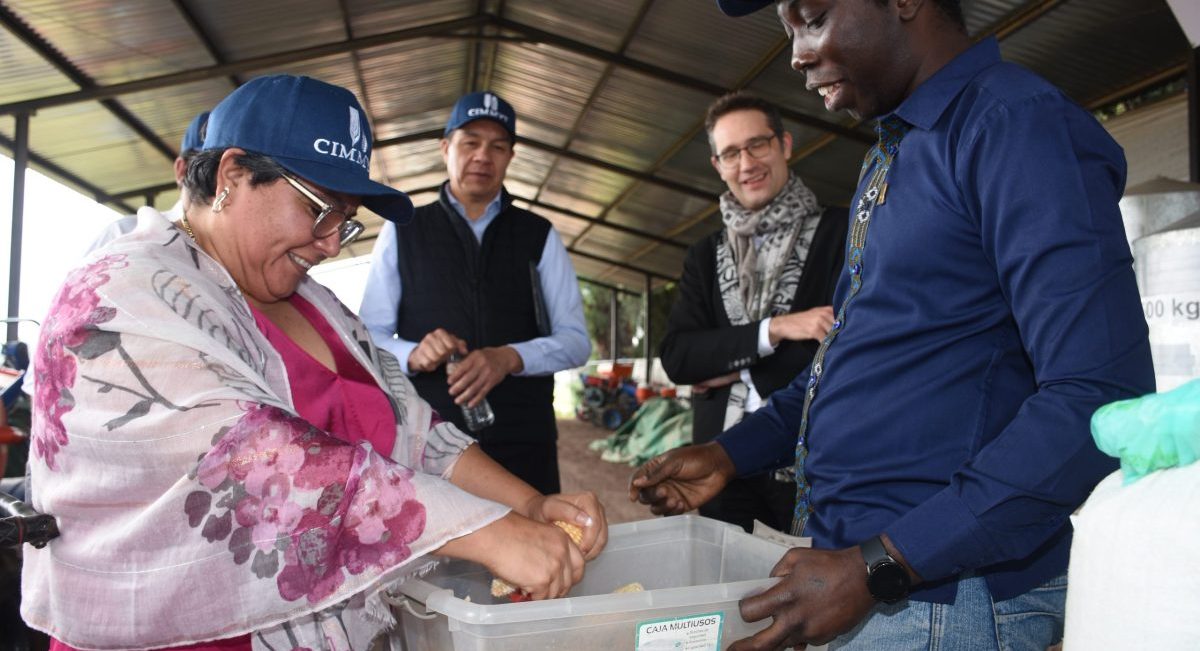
754, 299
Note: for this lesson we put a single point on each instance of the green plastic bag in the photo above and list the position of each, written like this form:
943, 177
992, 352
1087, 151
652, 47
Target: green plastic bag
660, 424
1156, 431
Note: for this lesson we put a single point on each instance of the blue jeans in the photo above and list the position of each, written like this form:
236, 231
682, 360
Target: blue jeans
974, 622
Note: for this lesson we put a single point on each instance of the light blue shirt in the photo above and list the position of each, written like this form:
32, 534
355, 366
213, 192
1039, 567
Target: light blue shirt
567, 346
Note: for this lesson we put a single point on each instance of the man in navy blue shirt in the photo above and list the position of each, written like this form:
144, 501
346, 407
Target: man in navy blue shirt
987, 308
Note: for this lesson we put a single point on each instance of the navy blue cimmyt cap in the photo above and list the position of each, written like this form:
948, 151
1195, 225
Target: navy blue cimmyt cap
742, 7
315, 130
193, 138
482, 106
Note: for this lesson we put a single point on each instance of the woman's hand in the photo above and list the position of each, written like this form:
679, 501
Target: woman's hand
536, 558
581, 509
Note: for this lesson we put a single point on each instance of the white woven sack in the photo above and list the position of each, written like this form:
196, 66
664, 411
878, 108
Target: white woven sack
1134, 579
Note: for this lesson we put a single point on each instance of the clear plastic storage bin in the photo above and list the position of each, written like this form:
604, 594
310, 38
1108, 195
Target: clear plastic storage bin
694, 571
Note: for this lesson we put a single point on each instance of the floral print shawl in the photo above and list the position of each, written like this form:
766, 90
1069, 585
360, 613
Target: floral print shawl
193, 503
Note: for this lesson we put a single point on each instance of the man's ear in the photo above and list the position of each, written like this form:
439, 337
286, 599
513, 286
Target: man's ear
785, 141
908, 9
444, 144
180, 170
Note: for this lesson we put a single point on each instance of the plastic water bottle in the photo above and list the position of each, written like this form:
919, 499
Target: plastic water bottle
479, 416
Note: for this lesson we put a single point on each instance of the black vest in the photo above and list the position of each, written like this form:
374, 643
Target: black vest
483, 293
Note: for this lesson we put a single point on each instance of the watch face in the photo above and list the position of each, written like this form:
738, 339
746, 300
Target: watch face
888, 582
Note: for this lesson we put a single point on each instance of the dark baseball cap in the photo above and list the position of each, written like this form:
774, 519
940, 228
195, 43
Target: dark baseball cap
742, 7
315, 130
193, 138
484, 105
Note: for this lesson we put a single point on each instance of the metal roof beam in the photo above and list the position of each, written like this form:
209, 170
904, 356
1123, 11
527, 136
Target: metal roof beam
566, 212
634, 26
473, 53
142, 192
622, 265
359, 78
1018, 19
580, 158
64, 65
590, 256
96, 193
666, 241
618, 169
203, 37
1140, 86
489, 67
437, 30
670, 76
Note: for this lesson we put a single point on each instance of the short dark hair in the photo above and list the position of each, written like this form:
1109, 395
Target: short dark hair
740, 100
951, 9
201, 178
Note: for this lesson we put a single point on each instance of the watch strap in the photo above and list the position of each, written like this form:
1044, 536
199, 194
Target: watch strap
873, 552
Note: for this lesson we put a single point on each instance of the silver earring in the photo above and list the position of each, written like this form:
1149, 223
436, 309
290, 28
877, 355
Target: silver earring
218, 203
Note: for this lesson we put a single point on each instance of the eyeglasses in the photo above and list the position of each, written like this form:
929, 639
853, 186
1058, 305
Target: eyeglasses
756, 147
329, 220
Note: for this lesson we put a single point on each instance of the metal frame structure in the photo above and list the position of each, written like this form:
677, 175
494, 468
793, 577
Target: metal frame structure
485, 30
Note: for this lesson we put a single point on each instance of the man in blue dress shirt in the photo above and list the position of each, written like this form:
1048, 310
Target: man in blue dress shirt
476, 275
987, 308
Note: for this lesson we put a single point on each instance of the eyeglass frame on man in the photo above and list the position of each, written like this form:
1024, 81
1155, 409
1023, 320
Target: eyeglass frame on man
734, 154
348, 230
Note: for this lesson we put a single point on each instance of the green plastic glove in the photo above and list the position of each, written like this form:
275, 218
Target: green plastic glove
1159, 430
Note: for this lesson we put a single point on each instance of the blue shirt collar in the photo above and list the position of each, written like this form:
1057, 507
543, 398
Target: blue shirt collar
492, 209
929, 101
478, 226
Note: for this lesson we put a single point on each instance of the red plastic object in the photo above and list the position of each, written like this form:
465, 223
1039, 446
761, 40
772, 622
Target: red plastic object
622, 370
10, 435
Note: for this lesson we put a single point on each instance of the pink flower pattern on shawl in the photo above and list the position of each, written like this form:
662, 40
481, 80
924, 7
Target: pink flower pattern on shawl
292, 496
71, 326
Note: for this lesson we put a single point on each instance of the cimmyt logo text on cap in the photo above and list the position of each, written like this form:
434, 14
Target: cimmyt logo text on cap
490, 109
358, 140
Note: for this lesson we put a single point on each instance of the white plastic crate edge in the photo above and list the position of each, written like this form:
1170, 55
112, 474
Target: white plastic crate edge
458, 611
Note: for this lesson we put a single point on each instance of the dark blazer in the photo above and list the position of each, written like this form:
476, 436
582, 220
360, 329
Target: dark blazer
701, 344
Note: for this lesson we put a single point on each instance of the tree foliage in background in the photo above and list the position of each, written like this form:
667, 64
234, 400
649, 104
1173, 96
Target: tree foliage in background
630, 311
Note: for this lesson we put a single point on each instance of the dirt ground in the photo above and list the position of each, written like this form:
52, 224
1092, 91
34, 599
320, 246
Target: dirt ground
582, 469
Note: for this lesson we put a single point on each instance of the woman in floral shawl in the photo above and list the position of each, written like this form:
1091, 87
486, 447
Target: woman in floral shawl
232, 462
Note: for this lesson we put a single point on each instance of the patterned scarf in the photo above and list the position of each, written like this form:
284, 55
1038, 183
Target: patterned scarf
760, 281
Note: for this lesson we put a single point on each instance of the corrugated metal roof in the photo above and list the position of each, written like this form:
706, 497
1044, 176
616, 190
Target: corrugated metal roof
103, 38
610, 94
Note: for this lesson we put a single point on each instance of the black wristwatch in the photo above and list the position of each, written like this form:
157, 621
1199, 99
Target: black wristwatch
886, 578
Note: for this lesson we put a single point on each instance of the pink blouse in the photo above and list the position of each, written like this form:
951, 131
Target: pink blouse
348, 404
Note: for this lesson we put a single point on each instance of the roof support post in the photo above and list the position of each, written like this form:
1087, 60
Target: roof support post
648, 302
613, 324
1193, 93
20, 162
